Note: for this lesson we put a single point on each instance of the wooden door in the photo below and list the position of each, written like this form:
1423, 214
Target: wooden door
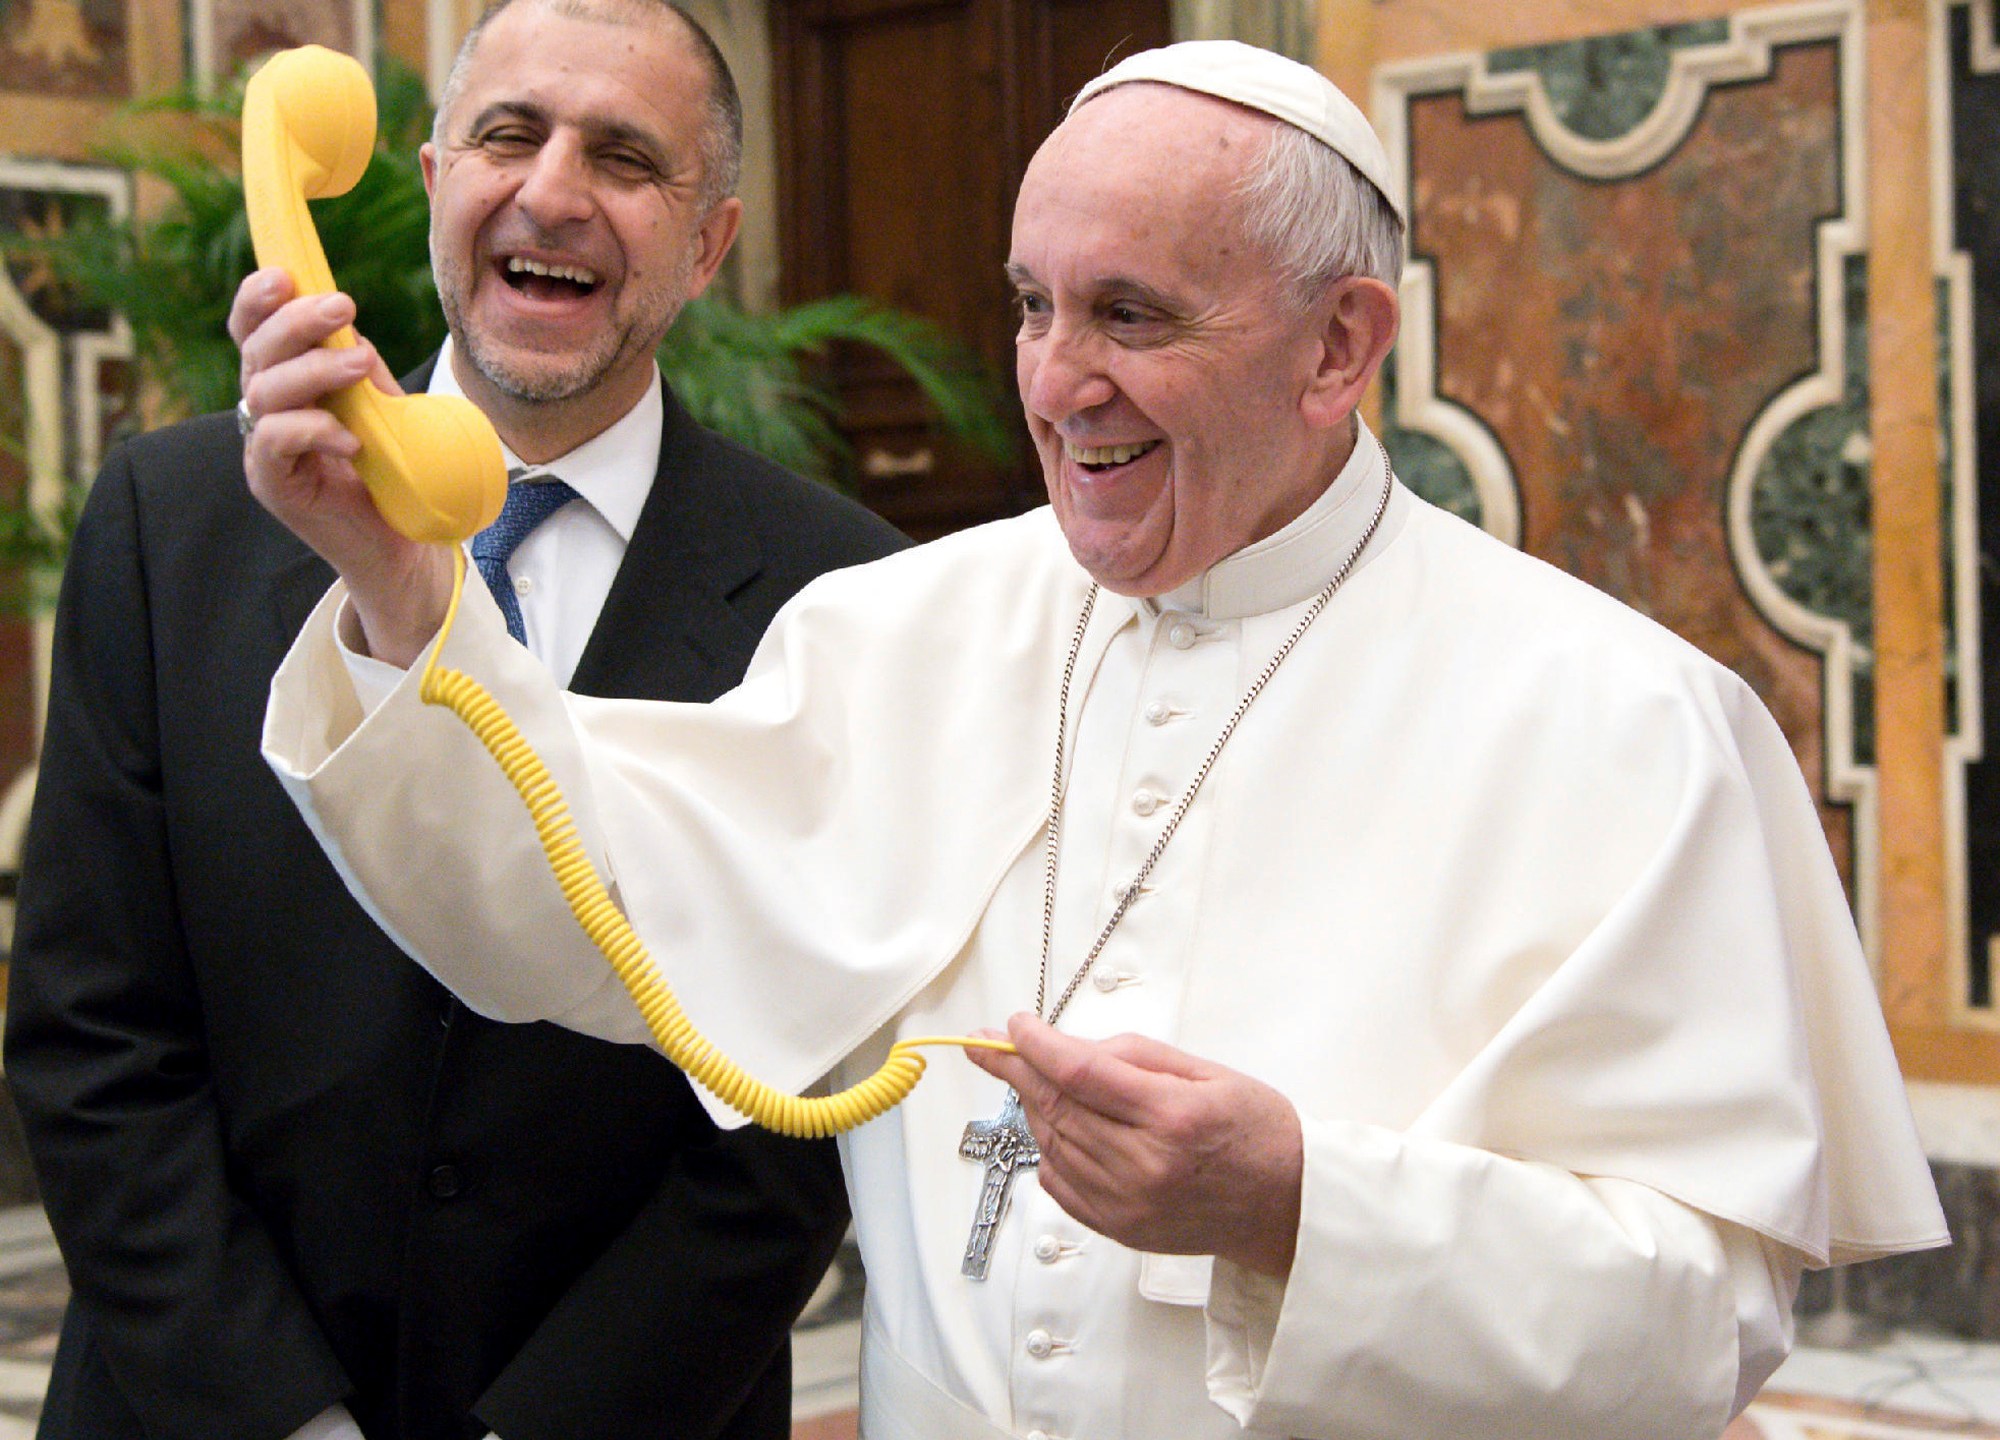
903, 129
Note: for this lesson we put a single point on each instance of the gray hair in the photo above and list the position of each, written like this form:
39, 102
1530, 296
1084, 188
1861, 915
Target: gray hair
720, 144
1316, 216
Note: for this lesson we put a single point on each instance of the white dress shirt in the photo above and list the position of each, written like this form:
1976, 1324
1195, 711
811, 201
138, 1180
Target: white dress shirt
564, 569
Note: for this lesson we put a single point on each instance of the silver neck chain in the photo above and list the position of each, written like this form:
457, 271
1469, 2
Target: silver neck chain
1130, 891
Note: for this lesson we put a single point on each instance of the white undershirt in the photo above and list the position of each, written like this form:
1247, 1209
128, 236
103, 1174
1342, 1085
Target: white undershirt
565, 567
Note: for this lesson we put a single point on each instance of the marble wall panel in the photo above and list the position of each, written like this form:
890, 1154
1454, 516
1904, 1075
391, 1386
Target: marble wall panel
1617, 332
18, 700
226, 35
1972, 90
1605, 86
64, 47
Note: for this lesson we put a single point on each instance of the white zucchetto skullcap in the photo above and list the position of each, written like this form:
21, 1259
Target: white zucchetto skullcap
1294, 93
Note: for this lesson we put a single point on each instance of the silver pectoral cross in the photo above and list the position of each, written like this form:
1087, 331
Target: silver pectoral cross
1005, 1145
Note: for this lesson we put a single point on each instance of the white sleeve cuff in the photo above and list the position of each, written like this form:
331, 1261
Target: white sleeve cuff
1765, 1278
374, 680
1442, 1289
332, 1423
1243, 1311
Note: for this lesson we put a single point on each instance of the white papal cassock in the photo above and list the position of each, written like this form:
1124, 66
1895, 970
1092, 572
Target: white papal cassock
1518, 898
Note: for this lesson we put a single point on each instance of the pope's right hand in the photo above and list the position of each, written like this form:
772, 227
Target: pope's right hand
299, 461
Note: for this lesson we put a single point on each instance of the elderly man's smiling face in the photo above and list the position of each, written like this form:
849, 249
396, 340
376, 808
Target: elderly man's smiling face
1171, 379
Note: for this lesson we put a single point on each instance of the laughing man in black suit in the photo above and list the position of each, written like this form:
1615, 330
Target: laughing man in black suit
301, 1192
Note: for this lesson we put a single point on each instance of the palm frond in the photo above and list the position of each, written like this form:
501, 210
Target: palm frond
34, 542
762, 379
174, 274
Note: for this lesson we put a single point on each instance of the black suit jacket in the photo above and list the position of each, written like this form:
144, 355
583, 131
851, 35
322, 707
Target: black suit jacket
284, 1166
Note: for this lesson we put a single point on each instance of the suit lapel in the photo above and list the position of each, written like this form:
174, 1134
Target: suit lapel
668, 631
299, 584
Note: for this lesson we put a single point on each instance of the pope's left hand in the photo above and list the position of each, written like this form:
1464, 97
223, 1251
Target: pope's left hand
1156, 1148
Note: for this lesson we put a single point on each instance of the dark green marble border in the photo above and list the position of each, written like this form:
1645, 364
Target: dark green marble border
1604, 86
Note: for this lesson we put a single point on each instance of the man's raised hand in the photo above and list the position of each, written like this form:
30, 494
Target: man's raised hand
299, 460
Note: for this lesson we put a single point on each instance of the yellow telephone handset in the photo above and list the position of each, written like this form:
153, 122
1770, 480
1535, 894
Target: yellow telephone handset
434, 466
432, 462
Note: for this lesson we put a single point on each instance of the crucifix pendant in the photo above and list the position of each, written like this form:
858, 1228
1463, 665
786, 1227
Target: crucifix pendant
1005, 1145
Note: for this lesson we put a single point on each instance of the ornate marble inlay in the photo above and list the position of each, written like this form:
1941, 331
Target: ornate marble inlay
1809, 507
1603, 87
1627, 317
64, 47
1966, 183
1426, 464
226, 35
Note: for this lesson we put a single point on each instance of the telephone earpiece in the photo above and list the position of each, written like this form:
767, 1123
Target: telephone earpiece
432, 462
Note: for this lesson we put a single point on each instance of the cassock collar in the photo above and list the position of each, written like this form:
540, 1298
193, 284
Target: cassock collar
1289, 567
613, 470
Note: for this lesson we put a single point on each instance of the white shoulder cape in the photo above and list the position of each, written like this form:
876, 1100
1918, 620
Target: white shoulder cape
1506, 864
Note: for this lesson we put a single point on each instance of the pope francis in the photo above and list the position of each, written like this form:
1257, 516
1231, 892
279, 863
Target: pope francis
1437, 1012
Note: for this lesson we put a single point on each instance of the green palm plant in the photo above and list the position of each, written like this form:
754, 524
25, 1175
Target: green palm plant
754, 377
173, 275
34, 540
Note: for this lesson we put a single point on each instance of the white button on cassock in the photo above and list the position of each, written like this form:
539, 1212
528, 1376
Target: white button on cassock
1145, 803
1047, 1249
1182, 636
1158, 713
1104, 978
1040, 1344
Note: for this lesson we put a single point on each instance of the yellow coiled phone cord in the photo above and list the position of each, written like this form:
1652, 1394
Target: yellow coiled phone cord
805, 1116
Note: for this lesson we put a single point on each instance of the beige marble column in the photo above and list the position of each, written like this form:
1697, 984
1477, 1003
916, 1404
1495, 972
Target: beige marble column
403, 30
1920, 979
445, 25
1346, 45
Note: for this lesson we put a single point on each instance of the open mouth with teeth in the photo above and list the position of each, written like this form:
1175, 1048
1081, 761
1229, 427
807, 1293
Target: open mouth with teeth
542, 281
1099, 458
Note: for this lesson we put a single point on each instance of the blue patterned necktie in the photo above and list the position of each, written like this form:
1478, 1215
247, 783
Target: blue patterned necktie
529, 503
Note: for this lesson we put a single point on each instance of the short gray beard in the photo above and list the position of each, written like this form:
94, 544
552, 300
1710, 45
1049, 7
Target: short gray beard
541, 386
